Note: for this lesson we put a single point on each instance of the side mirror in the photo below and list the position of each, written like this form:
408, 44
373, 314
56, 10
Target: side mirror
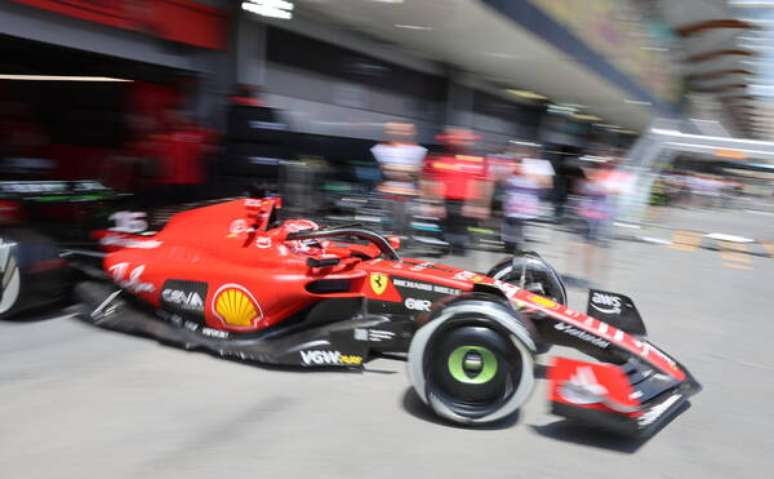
322, 262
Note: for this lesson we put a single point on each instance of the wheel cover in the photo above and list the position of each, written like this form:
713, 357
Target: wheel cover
520, 338
472, 364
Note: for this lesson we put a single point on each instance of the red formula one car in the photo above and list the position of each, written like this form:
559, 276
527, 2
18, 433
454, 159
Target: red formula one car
231, 279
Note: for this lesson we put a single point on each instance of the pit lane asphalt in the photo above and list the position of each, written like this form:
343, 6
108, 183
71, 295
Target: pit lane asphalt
76, 401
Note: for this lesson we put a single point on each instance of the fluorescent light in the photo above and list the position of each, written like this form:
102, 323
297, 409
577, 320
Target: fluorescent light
758, 21
563, 109
586, 117
269, 8
638, 102
751, 4
663, 131
748, 38
423, 28
499, 55
715, 148
62, 78
524, 143
753, 46
530, 95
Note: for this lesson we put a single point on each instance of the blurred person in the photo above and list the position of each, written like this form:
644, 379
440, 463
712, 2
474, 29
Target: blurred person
178, 155
595, 209
523, 190
521, 203
400, 161
460, 180
567, 179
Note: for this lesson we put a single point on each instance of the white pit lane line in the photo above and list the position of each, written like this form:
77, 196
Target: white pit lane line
729, 238
651, 239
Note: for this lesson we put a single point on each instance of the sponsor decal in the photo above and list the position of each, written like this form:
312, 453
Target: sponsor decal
645, 349
130, 280
235, 306
582, 335
125, 242
238, 227
412, 284
417, 304
583, 387
606, 303
295, 226
129, 221
321, 357
655, 412
373, 335
468, 276
434, 288
378, 282
509, 289
214, 333
544, 302
446, 290
184, 296
421, 266
263, 242
571, 313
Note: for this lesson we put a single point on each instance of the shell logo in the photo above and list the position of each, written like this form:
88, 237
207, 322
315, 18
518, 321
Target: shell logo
235, 306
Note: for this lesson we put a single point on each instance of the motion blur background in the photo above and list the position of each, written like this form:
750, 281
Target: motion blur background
628, 141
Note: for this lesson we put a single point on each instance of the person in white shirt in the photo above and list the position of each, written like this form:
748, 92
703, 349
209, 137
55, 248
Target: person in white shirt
400, 160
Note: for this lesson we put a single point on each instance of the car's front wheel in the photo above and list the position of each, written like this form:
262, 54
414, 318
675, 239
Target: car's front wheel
472, 362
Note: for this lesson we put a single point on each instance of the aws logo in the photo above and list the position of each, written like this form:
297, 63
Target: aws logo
379, 282
235, 306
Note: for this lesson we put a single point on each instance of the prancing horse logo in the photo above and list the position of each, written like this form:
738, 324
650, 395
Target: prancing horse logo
379, 283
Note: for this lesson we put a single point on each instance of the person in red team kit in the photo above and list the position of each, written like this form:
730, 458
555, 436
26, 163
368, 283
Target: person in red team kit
180, 152
460, 179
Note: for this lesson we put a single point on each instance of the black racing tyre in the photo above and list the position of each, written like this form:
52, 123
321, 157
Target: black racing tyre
10, 279
473, 361
32, 275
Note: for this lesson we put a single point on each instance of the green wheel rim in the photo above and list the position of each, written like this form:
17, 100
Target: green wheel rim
472, 365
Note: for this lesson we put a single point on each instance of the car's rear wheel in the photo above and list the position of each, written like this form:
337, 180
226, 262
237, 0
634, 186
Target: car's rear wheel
32, 275
10, 279
472, 363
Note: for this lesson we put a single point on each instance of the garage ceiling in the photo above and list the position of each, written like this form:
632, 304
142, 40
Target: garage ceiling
474, 38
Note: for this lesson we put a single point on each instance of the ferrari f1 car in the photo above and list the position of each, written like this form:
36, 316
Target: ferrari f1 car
231, 279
